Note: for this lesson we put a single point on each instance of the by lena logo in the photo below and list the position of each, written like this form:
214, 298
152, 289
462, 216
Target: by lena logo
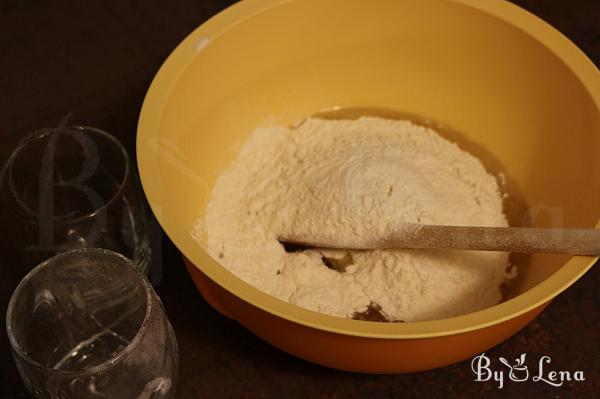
519, 371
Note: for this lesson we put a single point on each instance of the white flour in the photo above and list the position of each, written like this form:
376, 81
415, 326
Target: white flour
351, 178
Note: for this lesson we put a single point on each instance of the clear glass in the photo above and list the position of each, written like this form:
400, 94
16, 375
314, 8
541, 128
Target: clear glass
85, 324
74, 187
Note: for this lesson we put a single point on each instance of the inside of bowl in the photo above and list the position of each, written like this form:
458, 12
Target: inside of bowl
475, 73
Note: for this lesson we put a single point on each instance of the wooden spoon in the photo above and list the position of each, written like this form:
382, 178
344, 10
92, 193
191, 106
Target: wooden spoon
509, 239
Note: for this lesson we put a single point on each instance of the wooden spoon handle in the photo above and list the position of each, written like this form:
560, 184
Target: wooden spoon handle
510, 239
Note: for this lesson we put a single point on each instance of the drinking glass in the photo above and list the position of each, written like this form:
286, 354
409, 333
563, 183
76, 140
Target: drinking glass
73, 187
85, 324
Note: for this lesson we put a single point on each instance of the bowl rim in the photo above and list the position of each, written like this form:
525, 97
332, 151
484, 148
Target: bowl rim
149, 158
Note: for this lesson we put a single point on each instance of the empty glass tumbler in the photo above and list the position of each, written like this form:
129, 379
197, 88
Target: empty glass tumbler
85, 324
73, 187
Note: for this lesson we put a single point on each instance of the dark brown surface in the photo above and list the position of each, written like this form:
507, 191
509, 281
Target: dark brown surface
95, 60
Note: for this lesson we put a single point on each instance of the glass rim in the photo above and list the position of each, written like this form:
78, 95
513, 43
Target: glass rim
108, 363
45, 132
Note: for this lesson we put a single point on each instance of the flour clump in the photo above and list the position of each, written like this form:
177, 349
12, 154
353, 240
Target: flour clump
352, 178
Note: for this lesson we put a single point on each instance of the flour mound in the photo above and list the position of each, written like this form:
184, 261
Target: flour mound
352, 178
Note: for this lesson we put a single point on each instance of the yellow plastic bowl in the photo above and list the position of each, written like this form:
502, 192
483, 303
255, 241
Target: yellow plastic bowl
488, 69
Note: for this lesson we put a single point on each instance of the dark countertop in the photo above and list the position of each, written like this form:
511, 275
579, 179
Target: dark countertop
94, 60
